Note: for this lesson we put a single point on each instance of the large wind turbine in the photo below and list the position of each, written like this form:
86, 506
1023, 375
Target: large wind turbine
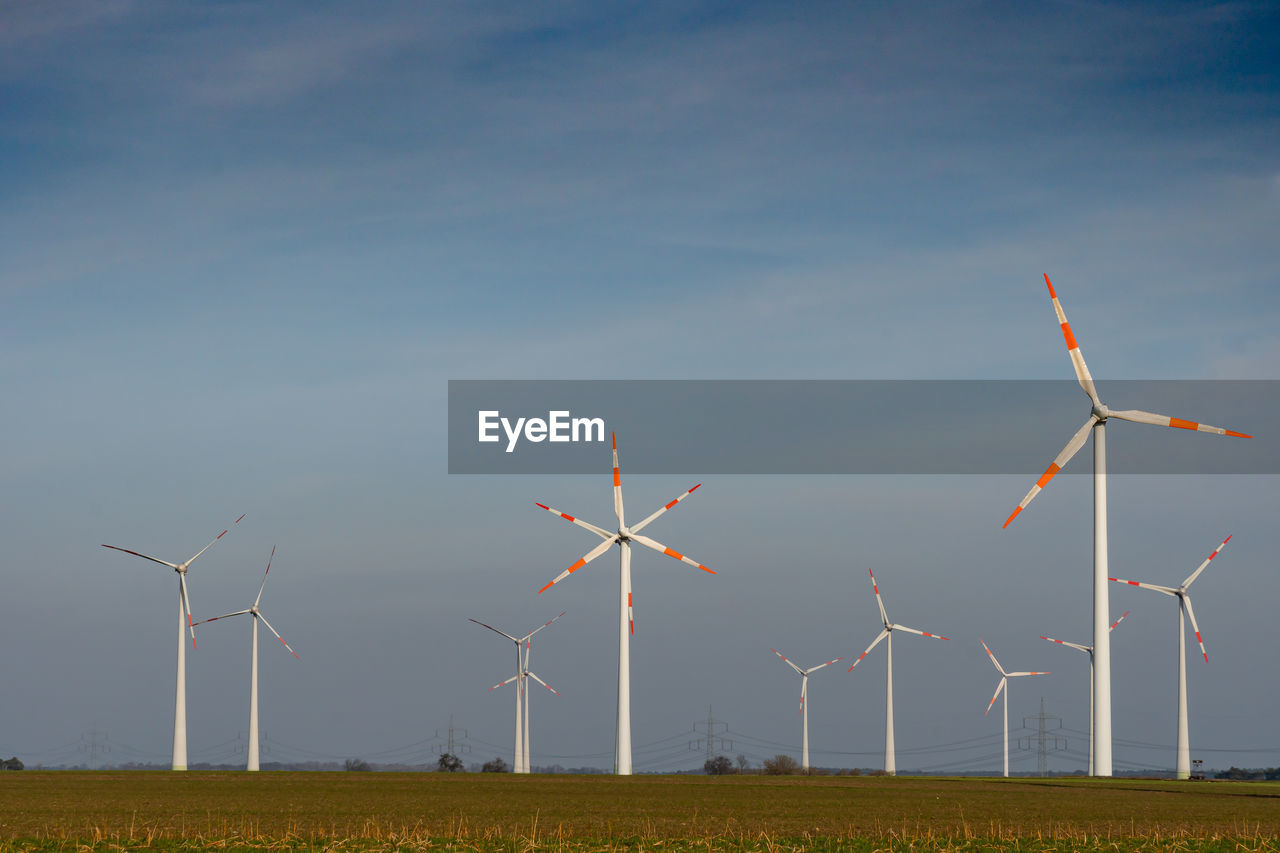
184, 614
626, 625
804, 704
1004, 680
886, 633
252, 762
1088, 649
1184, 606
1101, 618
520, 759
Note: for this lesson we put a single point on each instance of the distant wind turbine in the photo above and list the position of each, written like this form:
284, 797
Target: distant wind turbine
804, 703
1184, 606
520, 760
252, 762
1088, 649
1101, 613
184, 614
529, 673
1004, 680
886, 633
626, 625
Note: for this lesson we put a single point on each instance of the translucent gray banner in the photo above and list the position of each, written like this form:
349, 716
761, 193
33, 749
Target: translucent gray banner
851, 426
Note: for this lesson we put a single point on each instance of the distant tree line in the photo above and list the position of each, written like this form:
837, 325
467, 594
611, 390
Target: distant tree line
1256, 774
779, 765
11, 764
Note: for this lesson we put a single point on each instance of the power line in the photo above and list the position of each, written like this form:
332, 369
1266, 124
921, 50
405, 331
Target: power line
710, 738
1043, 739
94, 743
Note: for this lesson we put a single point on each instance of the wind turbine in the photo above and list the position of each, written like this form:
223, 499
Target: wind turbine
529, 673
1088, 649
804, 705
886, 633
626, 624
1184, 605
1097, 425
520, 760
184, 613
252, 763
1004, 680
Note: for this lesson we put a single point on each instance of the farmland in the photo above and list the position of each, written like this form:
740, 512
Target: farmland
368, 811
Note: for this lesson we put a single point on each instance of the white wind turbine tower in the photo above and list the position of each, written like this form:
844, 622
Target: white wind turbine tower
1101, 619
804, 704
252, 762
1088, 649
626, 625
1004, 680
1184, 606
886, 633
520, 759
184, 614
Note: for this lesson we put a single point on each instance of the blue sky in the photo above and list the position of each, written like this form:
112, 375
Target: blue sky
244, 246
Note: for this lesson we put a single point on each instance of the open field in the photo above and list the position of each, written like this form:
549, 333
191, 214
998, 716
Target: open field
360, 811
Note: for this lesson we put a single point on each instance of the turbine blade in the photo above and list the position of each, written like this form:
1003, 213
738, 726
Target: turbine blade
143, 556
535, 677
1141, 417
1186, 599
631, 613
264, 576
602, 533
804, 691
1073, 348
821, 665
1167, 590
884, 632
788, 662
1075, 645
1118, 621
223, 616
1016, 674
526, 637
215, 539
991, 655
590, 555
663, 549
186, 605
495, 630
1003, 681
642, 525
1186, 583
278, 637
617, 482
1073, 446
921, 633
504, 683
883, 616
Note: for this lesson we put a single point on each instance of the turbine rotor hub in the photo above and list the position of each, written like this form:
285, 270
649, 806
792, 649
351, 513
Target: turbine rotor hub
1101, 412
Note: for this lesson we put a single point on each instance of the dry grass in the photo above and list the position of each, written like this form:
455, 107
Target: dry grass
489, 812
